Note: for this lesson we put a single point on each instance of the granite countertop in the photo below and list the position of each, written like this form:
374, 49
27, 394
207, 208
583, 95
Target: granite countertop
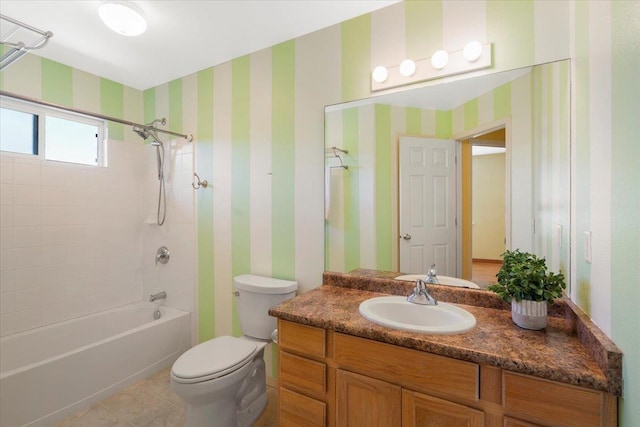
571, 349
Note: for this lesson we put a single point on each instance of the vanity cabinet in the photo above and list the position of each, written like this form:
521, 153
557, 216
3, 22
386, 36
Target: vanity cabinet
364, 401
333, 379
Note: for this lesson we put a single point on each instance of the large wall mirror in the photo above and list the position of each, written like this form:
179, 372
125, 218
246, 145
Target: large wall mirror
451, 173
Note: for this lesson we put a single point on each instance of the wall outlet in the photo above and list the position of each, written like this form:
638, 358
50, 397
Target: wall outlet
587, 246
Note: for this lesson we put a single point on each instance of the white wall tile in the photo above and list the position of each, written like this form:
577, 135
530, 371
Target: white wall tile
6, 170
7, 238
6, 194
26, 216
6, 281
27, 278
27, 195
7, 303
53, 215
26, 173
27, 257
6, 259
6, 325
6, 216
29, 319
53, 175
53, 196
25, 237
29, 299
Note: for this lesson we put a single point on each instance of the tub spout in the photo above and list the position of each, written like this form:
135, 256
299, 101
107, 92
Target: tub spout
157, 296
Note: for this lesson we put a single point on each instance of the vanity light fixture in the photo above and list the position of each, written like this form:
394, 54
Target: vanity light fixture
472, 51
123, 17
380, 74
408, 68
475, 56
440, 59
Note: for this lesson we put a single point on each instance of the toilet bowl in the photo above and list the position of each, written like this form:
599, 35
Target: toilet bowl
222, 381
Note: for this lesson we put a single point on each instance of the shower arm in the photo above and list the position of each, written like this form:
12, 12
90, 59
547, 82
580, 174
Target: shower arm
188, 137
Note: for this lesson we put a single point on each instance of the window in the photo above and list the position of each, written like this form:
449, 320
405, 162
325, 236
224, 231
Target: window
51, 134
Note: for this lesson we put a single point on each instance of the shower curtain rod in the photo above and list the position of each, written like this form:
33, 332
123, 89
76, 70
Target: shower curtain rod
88, 113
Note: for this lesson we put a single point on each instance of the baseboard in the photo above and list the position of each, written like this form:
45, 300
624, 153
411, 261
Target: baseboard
272, 382
489, 261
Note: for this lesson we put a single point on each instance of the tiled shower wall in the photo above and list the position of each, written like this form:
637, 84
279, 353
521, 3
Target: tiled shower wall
177, 277
80, 239
70, 237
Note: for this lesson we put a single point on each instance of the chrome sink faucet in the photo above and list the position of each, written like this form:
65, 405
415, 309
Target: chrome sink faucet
420, 295
431, 276
157, 296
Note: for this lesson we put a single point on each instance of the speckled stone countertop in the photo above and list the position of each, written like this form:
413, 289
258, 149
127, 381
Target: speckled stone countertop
571, 349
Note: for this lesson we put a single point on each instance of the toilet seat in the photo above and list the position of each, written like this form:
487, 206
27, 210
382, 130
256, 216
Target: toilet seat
213, 359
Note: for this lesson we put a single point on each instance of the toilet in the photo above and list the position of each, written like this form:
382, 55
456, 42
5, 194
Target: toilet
222, 381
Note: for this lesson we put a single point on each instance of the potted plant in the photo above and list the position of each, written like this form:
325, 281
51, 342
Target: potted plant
523, 280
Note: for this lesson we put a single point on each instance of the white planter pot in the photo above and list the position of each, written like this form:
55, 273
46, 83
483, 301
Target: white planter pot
529, 314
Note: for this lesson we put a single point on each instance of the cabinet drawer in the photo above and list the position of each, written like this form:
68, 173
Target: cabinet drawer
302, 339
549, 401
512, 422
297, 410
303, 374
437, 375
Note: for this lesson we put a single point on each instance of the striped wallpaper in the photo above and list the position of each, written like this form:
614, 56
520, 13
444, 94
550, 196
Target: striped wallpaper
259, 126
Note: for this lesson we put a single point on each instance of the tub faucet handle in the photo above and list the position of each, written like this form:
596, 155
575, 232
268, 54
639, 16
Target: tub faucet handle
162, 255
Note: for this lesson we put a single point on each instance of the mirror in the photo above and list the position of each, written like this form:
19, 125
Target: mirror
363, 189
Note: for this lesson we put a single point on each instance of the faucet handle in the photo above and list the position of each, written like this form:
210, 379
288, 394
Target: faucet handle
420, 285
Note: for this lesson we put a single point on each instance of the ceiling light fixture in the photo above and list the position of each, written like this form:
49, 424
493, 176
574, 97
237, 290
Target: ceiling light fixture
123, 17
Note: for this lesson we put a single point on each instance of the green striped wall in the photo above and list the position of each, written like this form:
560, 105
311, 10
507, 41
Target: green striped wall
520, 38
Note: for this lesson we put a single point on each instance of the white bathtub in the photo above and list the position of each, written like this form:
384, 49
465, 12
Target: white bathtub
49, 373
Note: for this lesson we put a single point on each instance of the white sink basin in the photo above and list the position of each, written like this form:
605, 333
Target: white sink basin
397, 313
442, 280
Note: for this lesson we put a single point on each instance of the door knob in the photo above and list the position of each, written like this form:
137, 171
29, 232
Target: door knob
407, 236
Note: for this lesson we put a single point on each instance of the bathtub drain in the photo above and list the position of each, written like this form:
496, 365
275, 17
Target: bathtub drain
157, 315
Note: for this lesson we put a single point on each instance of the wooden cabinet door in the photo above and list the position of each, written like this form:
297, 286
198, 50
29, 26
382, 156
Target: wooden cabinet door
421, 410
366, 402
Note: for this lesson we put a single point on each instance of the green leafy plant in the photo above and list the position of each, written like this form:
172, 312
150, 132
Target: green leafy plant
524, 276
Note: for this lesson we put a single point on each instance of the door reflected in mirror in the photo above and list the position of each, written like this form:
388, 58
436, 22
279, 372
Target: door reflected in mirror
515, 199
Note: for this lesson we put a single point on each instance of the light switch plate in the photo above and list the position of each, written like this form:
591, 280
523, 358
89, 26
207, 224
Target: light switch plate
587, 246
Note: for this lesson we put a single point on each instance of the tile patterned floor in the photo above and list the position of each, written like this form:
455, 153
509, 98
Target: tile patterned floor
150, 402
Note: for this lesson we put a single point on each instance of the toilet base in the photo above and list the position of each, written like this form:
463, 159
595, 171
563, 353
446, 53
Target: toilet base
249, 416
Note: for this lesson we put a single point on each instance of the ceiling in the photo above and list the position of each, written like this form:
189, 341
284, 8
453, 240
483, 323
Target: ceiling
183, 36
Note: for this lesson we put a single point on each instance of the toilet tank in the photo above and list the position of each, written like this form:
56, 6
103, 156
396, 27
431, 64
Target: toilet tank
256, 295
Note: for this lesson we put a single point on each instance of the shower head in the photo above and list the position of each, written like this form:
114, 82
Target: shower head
143, 133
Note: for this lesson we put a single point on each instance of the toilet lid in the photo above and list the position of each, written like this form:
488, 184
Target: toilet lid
214, 358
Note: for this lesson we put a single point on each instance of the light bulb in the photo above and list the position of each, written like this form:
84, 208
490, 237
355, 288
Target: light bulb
407, 68
380, 74
440, 59
472, 51
123, 18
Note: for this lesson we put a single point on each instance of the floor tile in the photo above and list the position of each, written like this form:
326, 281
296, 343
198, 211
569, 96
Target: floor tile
151, 403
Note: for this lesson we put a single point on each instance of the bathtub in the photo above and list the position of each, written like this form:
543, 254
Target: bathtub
49, 373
